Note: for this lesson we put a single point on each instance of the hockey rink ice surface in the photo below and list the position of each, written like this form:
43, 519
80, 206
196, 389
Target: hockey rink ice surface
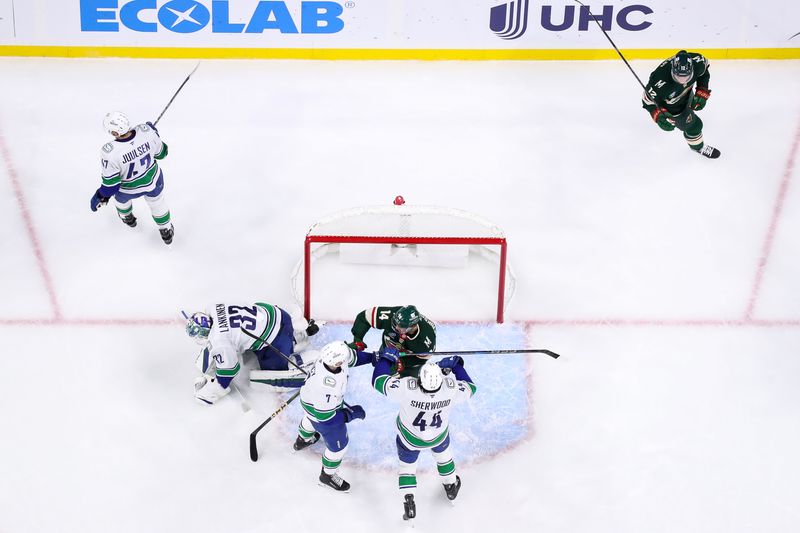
668, 282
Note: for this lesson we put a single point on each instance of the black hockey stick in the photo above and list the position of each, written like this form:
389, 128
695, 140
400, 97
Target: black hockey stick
612, 44
253, 445
176, 93
274, 349
551, 353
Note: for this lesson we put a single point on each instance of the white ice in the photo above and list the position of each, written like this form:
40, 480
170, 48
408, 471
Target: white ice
667, 281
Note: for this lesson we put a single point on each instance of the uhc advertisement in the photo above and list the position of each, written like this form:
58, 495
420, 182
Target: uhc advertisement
402, 24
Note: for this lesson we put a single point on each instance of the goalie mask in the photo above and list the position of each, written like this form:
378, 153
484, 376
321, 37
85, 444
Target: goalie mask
198, 327
430, 377
335, 354
116, 123
681, 67
405, 319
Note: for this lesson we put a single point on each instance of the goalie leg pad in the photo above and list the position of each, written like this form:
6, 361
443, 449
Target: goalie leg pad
277, 380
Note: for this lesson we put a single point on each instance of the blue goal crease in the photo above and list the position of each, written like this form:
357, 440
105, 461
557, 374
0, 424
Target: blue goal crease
495, 420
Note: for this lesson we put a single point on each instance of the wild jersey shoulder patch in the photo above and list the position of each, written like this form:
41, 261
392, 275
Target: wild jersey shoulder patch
108, 148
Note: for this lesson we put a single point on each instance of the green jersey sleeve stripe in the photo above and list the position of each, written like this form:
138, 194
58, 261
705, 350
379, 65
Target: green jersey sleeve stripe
228, 372
380, 384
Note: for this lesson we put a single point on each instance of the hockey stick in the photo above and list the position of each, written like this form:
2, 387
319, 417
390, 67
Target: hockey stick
551, 353
242, 400
670, 119
274, 349
612, 44
176, 94
253, 446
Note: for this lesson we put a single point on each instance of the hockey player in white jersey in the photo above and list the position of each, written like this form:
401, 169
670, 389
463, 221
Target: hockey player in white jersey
325, 413
218, 330
425, 404
130, 170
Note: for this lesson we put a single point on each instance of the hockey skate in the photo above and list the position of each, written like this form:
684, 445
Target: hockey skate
333, 481
451, 489
129, 220
302, 444
409, 508
167, 234
710, 152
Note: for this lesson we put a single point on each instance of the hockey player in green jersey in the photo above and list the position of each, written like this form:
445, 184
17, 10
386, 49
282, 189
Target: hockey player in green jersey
671, 98
403, 328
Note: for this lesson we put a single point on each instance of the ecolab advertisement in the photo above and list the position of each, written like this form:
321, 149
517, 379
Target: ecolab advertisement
402, 24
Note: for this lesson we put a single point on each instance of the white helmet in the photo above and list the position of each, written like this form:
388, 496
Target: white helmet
335, 354
430, 377
116, 122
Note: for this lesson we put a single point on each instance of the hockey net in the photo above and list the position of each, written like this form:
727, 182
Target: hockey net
405, 235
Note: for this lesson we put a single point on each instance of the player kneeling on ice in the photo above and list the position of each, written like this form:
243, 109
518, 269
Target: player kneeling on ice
325, 413
129, 166
425, 404
228, 331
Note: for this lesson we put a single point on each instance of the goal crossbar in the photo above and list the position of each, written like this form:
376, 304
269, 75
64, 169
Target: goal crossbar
328, 239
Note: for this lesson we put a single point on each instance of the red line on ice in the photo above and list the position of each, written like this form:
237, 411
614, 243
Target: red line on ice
29, 227
777, 211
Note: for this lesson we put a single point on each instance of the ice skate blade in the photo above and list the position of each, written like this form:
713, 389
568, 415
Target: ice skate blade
325, 485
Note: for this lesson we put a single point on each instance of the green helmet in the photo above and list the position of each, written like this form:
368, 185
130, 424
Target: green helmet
405, 318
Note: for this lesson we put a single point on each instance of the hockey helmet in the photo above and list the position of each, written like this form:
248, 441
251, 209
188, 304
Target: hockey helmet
405, 318
335, 354
198, 327
116, 123
681, 67
430, 377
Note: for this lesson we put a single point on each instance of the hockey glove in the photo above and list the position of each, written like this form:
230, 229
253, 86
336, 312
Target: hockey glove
358, 346
390, 353
451, 362
353, 412
152, 126
662, 118
97, 201
701, 96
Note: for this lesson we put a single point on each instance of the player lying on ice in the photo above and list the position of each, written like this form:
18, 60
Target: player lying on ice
219, 330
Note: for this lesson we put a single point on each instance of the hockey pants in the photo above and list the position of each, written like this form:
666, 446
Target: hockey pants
155, 200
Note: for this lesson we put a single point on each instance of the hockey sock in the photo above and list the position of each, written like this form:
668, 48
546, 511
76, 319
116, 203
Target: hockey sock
407, 478
125, 209
332, 460
159, 210
305, 430
695, 143
446, 466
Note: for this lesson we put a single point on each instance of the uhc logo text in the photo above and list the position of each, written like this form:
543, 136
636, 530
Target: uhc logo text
510, 19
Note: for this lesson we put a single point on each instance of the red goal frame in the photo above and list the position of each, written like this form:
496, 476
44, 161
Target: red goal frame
337, 239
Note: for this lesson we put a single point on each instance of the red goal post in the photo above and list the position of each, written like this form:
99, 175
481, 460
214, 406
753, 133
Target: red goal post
427, 232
